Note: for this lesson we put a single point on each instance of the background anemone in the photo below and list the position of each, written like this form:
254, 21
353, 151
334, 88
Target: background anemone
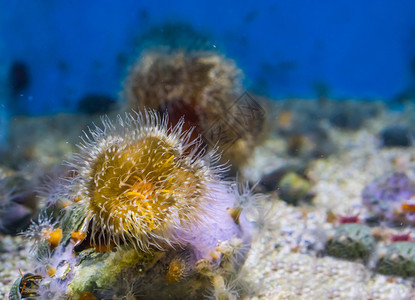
206, 89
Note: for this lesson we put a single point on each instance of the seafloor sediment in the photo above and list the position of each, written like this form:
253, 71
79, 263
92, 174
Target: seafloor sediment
285, 264
287, 260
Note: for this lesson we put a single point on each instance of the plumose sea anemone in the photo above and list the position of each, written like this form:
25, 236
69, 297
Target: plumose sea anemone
136, 182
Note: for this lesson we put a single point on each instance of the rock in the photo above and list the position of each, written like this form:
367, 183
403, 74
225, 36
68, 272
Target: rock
293, 188
395, 136
398, 260
270, 181
351, 242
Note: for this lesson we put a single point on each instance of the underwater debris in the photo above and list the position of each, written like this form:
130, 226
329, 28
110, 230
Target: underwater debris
205, 88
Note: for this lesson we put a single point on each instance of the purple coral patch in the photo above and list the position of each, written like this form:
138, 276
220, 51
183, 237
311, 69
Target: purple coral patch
384, 196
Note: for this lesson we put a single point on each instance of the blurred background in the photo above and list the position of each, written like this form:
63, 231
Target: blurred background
53, 54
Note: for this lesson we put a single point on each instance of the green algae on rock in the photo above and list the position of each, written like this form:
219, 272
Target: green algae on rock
351, 242
398, 259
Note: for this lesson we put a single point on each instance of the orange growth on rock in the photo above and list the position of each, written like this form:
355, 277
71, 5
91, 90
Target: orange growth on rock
66, 203
408, 208
214, 254
54, 237
51, 271
78, 236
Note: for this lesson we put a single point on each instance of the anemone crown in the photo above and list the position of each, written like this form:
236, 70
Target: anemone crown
139, 180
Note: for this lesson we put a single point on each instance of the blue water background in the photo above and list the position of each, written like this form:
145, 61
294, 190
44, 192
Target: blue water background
352, 48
